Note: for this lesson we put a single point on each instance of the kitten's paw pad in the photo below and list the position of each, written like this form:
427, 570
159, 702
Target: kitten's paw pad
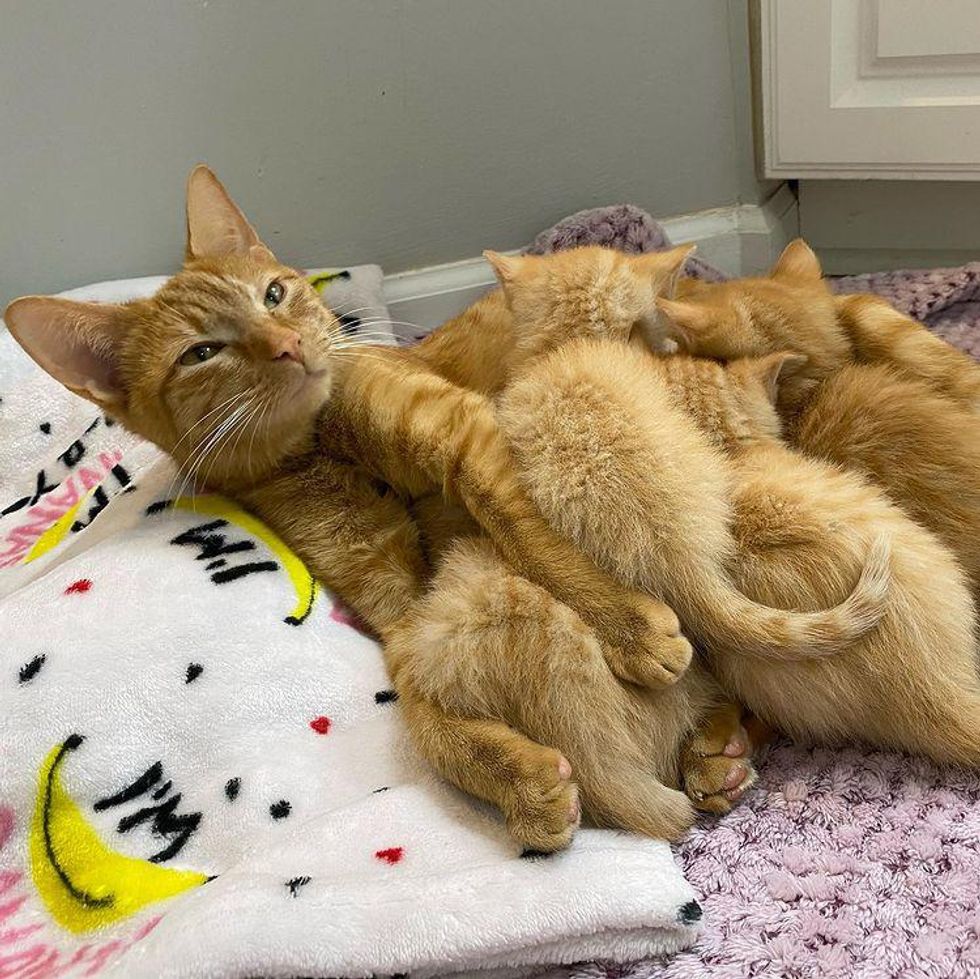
545, 811
715, 783
736, 746
715, 763
722, 734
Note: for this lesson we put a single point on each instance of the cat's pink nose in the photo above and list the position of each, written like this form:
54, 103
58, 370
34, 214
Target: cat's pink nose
286, 346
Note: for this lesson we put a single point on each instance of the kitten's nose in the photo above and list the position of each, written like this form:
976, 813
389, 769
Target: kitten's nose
286, 346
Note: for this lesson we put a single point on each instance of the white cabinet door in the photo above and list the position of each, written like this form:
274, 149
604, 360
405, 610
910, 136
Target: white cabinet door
871, 88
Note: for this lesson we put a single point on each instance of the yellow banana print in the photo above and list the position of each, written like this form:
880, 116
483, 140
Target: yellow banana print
84, 884
57, 532
304, 584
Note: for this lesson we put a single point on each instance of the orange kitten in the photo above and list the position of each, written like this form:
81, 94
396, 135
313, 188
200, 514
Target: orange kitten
623, 471
909, 684
879, 393
800, 527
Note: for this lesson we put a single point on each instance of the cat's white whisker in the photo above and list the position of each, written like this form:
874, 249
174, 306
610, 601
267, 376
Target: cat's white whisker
255, 429
361, 342
384, 334
241, 428
383, 322
348, 312
362, 351
203, 418
226, 425
227, 405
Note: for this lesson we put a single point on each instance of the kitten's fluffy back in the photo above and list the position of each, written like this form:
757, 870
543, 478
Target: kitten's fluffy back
900, 405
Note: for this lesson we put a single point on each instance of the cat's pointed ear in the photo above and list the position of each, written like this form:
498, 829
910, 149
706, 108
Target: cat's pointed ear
773, 368
798, 261
687, 318
76, 343
216, 226
664, 268
507, 268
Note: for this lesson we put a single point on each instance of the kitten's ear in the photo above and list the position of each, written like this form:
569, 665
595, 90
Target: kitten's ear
507, 268
664, 268
687, 318
773, 368
76, 343
216, 226
798, 261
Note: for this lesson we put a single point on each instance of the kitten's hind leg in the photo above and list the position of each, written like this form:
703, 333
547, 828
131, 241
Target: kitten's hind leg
491, 669
530, 784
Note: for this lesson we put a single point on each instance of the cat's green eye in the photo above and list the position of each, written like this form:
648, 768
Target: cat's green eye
199, 353
274, 294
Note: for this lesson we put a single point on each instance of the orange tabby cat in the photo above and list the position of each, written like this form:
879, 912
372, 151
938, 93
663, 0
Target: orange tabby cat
235, 364
879, 394
595, 431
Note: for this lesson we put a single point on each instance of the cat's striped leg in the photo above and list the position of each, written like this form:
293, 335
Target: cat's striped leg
418, 433
530, 784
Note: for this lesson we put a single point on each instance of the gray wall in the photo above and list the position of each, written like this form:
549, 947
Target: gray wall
406, 132
865, 225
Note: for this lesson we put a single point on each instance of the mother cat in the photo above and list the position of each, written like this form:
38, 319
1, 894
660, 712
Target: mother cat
235, 364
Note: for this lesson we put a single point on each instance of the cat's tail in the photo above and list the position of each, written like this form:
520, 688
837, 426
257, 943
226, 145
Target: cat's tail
732, 619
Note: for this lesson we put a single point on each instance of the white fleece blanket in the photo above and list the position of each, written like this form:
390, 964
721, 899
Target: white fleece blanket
202, 766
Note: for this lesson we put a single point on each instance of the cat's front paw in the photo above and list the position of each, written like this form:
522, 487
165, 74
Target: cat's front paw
661, 654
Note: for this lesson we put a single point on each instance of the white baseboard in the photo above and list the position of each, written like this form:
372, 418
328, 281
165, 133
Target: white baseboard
741, 240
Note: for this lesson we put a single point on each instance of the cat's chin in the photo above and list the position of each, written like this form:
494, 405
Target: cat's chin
315, 384
308, 394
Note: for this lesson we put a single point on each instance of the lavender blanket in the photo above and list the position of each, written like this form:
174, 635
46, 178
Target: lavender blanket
851, 864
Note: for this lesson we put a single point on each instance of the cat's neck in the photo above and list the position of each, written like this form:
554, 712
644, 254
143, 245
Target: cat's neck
249, 466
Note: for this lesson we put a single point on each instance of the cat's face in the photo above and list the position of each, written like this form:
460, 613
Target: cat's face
586, 292
239, 337
227, 364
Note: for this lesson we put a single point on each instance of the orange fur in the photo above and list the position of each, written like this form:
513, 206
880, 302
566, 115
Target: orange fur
879, 394
596, 432
598, 428
909, 684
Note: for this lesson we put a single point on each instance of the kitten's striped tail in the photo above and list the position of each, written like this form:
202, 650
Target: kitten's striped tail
780, 634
